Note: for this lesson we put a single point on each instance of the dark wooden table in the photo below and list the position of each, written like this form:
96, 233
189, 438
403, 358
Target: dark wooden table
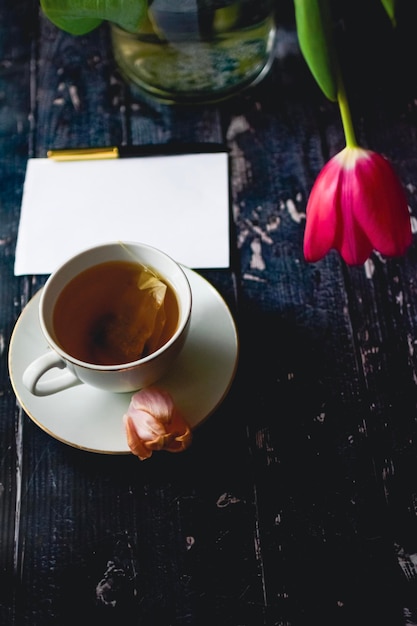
297, 502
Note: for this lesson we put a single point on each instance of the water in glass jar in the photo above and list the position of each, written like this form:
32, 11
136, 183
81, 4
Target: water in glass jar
195, 51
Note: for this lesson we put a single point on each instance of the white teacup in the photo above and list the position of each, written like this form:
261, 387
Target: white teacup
76, 338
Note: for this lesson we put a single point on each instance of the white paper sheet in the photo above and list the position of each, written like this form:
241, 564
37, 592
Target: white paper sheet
177, 203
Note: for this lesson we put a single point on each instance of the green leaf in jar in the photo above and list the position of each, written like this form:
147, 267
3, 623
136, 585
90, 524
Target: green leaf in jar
79, 17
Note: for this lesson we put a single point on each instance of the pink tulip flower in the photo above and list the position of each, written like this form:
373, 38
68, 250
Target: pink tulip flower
357, 205
153, 422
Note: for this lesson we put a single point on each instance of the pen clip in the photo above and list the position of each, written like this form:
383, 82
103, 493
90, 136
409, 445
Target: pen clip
83, 154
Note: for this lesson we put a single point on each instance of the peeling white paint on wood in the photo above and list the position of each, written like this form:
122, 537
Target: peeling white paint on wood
294, 213
257, 261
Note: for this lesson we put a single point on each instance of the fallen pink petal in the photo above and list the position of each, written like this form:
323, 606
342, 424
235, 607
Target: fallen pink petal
152, 422
357, 205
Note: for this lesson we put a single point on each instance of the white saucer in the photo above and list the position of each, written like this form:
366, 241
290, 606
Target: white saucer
92, 419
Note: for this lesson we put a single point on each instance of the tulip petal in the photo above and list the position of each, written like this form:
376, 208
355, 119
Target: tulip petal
322, 213
135, 443
353, 242
383, 213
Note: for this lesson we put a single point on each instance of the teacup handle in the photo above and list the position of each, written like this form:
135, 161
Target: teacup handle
39, 367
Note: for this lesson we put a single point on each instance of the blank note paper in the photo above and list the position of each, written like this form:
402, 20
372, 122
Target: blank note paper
177, 203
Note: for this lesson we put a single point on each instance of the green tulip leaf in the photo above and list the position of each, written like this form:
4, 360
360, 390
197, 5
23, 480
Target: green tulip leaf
79, 17
389, 6
315, 36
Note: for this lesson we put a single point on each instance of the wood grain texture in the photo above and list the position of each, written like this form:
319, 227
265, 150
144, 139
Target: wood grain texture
296, 503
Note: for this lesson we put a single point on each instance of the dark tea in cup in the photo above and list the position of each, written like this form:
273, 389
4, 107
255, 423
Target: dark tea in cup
114, 316
115, 312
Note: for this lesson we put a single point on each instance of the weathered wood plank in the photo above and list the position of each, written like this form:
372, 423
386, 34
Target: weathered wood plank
15, 48
325, 457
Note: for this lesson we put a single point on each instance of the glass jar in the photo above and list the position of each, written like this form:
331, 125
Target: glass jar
197, 51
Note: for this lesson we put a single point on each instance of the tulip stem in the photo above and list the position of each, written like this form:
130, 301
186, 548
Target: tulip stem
346, 116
